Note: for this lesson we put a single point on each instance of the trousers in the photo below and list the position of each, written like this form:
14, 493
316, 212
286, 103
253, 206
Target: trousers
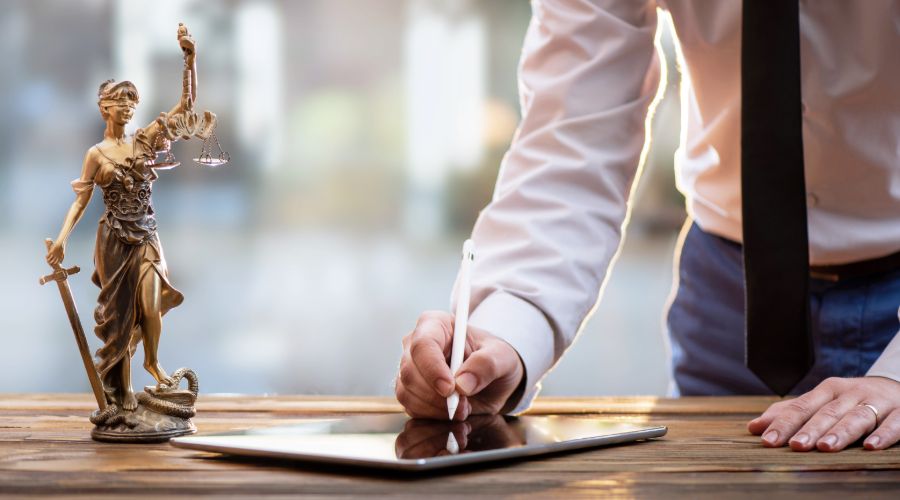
852, 321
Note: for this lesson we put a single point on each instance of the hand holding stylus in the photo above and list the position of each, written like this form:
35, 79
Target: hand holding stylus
489, 374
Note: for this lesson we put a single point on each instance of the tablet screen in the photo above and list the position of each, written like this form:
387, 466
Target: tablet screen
398, 442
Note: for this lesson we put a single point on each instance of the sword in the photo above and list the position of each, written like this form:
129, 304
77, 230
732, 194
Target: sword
60, 276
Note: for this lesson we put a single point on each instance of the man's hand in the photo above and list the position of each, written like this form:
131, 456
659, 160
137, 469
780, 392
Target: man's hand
834, 415
490, 373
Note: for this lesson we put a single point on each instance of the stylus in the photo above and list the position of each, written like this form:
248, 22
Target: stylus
461, 321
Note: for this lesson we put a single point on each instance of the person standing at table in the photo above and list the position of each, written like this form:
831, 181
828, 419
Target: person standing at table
790, 164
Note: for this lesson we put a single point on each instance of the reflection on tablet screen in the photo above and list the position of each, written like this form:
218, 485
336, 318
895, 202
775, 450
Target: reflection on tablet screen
396, 440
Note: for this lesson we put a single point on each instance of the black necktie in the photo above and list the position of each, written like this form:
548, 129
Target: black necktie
776, 247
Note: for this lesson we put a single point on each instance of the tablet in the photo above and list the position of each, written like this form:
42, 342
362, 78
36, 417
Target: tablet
400, 443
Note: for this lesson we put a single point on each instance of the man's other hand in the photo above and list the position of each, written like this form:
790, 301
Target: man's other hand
834, 415
490, 373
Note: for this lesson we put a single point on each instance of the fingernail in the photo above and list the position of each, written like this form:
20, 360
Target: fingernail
444, 387
770, 437
800, 439
829, 440
873, 441
466, 383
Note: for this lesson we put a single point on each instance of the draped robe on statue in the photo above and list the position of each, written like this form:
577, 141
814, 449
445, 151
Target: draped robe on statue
127, 250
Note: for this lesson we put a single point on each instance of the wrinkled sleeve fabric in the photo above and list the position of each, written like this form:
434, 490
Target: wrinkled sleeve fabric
588, 76
81, 186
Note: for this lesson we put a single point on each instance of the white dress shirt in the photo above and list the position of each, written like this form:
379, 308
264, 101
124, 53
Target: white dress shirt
589, 76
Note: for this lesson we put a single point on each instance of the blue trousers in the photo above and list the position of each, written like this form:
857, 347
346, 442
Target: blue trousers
852, 322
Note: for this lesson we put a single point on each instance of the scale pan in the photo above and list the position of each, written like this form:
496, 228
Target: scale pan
210, 162
166, 165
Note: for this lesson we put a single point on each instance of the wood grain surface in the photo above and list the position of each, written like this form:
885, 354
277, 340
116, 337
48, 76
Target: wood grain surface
45, 449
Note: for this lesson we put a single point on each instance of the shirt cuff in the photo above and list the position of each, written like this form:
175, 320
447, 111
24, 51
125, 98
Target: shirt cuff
527, 330
888, 364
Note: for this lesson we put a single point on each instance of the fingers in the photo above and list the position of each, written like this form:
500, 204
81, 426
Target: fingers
413, 381
887, 434
835, 415
428, 348
821, 422
54, 258
800, 408
55, 253
483, 367
489, 375
418, 407
782, 420
419, 397
491, 371
856, 422
424, 380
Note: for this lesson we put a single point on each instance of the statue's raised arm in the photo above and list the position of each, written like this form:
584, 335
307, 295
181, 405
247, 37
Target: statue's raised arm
181, 122
189, 81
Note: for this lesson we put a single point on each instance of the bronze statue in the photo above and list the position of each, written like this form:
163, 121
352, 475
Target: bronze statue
130, 266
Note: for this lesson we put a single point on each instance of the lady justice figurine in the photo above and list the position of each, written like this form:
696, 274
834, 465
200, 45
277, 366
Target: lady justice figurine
135, 291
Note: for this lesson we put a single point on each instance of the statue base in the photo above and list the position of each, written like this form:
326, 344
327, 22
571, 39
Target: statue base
163, 412
149, 427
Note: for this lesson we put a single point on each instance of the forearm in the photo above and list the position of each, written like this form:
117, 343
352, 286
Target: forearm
192, 66
188, 88
189, 74
186, 103
588, 78
76, 211
189, 82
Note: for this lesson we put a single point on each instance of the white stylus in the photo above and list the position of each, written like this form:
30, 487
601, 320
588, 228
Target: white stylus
462, 319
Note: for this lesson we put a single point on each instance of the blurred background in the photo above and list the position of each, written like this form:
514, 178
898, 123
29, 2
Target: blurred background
364, 137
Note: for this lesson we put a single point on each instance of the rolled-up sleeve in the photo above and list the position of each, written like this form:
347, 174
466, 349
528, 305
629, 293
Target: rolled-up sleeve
588, 76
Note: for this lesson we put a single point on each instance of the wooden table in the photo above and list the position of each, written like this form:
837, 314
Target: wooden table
45, 448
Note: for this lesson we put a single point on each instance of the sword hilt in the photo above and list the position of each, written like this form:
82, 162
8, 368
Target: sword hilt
59, 273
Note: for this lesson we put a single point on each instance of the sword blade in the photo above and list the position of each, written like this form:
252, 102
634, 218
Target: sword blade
80, 339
